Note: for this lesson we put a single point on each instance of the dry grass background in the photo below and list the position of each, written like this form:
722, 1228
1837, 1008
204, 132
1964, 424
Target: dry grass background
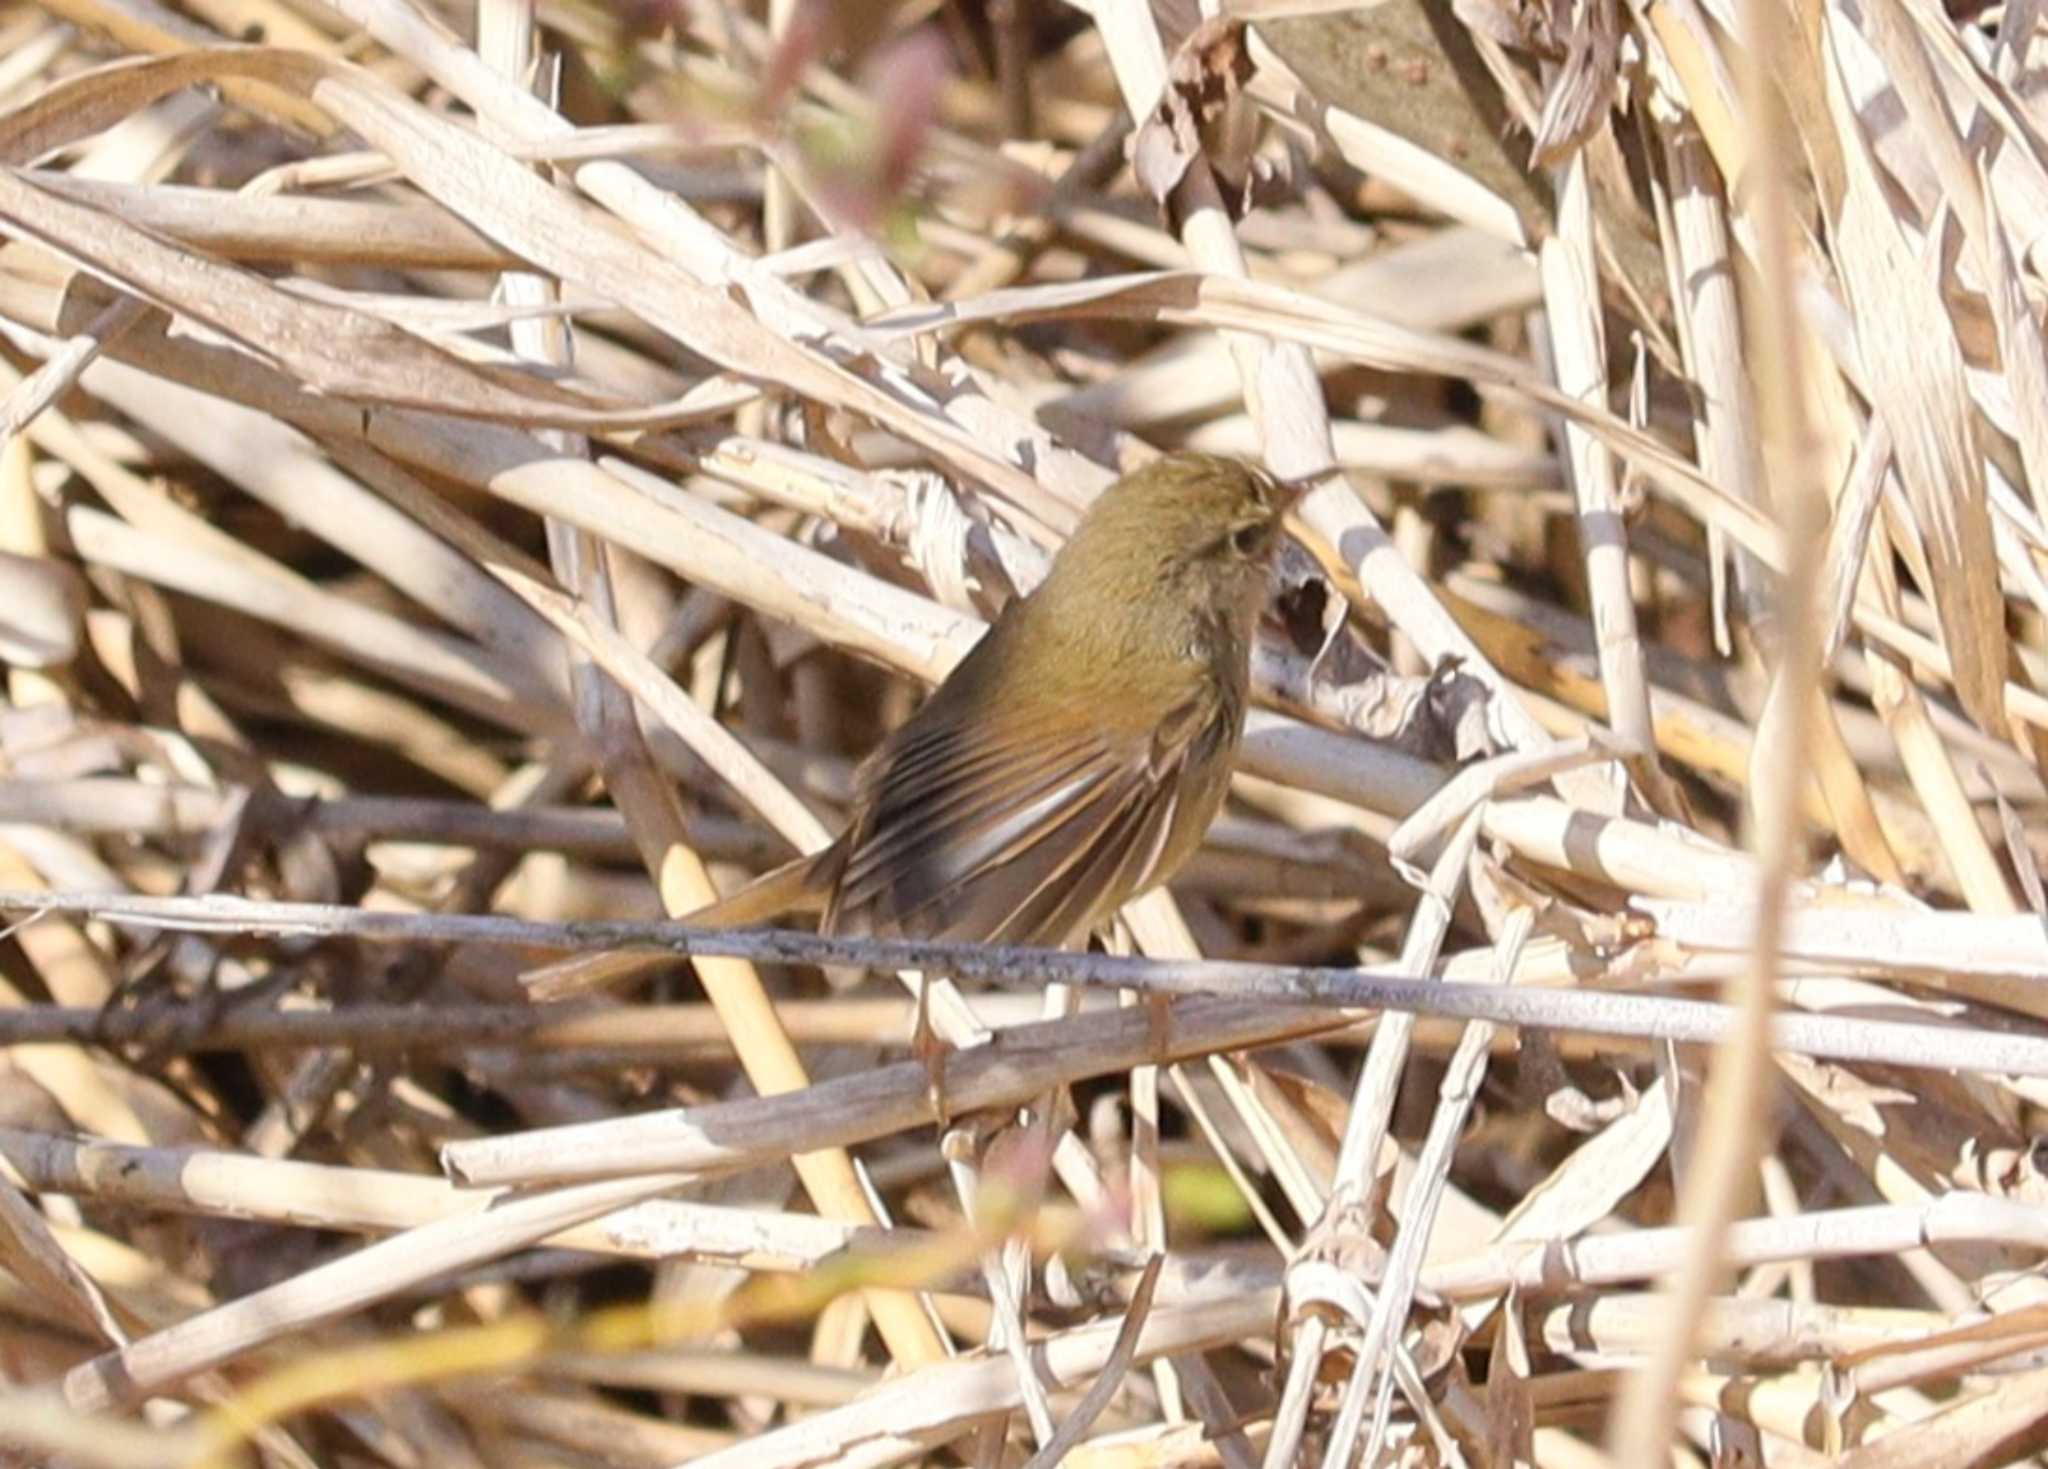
477, 480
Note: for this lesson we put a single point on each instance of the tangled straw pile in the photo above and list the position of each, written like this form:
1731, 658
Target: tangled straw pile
472, 474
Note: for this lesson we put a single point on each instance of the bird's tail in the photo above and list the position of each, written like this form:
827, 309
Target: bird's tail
789, 889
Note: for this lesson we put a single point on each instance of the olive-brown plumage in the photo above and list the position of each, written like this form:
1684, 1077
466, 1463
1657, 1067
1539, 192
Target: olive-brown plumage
1072, 760
1076, 756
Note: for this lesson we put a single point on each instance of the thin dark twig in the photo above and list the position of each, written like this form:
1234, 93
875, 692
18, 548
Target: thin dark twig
1899, 1043
1107, 1381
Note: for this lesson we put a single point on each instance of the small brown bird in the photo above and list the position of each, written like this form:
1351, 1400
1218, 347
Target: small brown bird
1074, 759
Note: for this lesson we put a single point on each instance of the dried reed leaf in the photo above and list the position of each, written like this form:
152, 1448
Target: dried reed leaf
1909, 348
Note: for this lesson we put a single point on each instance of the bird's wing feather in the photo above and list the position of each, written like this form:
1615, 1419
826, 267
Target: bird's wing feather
914, 862
904, 809
1098, 871
1025, 835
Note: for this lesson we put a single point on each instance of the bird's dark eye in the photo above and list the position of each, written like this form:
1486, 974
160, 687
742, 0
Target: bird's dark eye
1249, 540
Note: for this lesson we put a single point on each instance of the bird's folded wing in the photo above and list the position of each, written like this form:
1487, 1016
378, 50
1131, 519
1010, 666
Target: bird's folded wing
1019, 836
